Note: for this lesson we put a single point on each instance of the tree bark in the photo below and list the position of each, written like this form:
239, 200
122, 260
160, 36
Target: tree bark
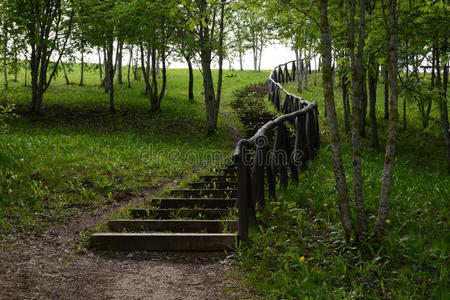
327, 76
305, 74
363, 102
130, 62
5, 54
241, 66
299, 71
191, 78
109, 80
386, 91
345, 100
119, 63
386, 185
65, 74
357, 95
443, 105
82, 69
100, 64
373, 75
212, 101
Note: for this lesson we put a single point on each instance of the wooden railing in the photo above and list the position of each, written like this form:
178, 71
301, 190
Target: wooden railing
293, 138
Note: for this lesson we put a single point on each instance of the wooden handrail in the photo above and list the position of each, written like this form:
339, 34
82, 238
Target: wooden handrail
297, 111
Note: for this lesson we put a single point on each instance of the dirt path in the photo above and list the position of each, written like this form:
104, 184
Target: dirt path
48, 266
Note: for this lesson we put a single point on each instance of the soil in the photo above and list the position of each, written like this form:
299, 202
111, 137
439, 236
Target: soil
50, 266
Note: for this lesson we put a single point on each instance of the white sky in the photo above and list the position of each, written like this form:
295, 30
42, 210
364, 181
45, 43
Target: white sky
272, 56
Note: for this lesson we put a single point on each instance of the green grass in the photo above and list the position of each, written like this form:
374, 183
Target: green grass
79, 156
411, 262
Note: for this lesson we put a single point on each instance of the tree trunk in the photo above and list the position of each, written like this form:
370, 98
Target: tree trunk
241, 66
5, 54
299, 71
346, 103
255, 57
26, 71
315, 71
386, 185
357, 95
191, 78
100, 64
386, 91
260, 55
109, 70
119, 63
130, 62
373, 75
305, 74
443, 105
327, 76
82, 69
65, 74
363, 103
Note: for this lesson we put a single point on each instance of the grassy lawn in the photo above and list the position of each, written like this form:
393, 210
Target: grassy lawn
297, 249
77, 156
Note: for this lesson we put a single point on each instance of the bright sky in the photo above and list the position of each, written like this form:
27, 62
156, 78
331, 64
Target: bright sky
272, 56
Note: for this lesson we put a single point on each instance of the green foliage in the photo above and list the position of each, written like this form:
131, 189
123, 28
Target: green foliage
78, 156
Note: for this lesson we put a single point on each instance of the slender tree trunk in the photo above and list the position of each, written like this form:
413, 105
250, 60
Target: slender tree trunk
357, 95
130, 62
363, 103
443, 105
65, 74
305, 74
109, 70
82, 69
260, 56
346, 103
5, 54
386, 91
191, 78
315, 71
255, 57
100, 64
327, 75
373, 74
298, 55
119, 63
241, 66
26, 71
386, 184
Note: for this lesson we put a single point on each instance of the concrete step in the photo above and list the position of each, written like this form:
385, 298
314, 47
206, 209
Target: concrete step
194, 202
173, 213
210, 193
163, 241
214, 184
173, 225
218, 177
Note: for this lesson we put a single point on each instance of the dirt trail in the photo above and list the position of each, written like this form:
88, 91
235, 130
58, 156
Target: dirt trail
48, 266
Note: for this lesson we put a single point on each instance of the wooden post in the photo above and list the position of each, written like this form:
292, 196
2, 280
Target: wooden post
258, 174
244, 195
